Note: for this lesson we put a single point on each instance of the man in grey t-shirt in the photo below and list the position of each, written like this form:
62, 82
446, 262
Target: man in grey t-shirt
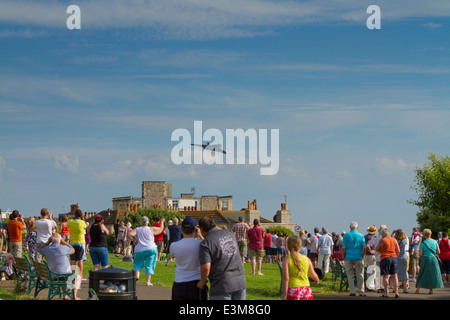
220, 262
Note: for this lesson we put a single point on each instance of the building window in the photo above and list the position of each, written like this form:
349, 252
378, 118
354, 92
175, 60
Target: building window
175, 203
224, 205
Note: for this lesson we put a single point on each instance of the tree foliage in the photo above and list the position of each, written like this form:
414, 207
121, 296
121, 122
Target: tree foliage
432, 183
152, 213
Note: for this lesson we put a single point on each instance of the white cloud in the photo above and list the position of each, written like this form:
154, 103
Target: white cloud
390, 166
432, 25
63, 162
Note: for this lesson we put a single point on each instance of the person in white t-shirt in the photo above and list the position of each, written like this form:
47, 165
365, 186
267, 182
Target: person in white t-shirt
324, 249
187, 270
44, 230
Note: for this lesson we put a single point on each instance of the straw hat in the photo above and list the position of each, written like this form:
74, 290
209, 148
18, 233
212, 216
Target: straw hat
372, 229
383, 226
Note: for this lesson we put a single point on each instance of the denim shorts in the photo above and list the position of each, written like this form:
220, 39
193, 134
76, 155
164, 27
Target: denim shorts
99, 255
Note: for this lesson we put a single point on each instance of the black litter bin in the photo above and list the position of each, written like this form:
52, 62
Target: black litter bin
113, 283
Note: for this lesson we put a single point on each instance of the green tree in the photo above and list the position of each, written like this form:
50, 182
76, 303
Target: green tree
432, 183
152, 213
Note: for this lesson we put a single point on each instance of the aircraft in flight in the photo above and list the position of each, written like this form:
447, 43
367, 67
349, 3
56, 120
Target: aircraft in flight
211, 147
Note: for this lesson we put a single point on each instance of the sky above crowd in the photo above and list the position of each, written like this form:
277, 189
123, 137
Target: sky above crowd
87, 114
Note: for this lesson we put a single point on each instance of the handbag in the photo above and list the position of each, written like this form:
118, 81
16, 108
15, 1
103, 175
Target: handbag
434, 252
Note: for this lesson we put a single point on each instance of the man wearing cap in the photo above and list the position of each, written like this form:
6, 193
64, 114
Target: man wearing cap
187, 270
369, 259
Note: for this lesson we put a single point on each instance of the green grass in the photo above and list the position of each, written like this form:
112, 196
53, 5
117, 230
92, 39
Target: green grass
264, 287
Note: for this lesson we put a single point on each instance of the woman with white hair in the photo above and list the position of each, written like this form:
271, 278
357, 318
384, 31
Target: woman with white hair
145, 251
429, 276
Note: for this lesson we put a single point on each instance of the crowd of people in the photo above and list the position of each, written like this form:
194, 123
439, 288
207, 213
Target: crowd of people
379, 260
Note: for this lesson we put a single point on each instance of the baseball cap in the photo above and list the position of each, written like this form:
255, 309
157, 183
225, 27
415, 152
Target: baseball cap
189, 222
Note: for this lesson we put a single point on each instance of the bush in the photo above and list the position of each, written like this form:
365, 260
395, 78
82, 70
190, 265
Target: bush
281, 229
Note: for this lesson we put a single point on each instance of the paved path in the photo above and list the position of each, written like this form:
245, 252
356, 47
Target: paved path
161, 293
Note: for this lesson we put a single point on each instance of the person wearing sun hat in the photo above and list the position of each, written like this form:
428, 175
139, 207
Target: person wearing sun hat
369, 259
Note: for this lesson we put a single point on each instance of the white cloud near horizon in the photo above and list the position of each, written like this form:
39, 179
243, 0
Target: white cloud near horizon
205, 19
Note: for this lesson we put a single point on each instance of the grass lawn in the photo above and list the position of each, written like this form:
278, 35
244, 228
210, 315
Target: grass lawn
265, 287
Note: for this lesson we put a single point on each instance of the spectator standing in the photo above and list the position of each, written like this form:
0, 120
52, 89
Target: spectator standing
370, 259
187, 270
444, 255
324, 249
240, 231
129, 240
414, 257
353, 251
30, 239
402, 259
305, 242
15, 226
175, 235
146, 250
281, 246
220, 262
378, 284
296, 269
159, 238
273, 248
99, 245
65, 234
256, 246
121, 238
313, 253
77, 228
389, 250
429, 276
268, 245
44, 230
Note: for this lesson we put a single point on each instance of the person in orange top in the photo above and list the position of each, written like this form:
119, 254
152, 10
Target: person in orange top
389, 250
15, 226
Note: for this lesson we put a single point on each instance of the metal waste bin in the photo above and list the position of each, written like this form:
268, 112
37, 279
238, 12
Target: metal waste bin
113, 283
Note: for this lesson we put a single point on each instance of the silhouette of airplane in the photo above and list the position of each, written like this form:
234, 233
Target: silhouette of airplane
211, 147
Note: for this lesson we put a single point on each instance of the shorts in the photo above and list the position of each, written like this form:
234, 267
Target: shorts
313, 256
267, 251
145, 259
120, 244
78, 255
242, 248
273, 251
281, 251
388, 266
256, 254
445, 268
300, 293
159, 245
99, 255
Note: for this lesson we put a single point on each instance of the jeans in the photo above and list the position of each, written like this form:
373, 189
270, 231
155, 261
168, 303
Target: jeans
237, 295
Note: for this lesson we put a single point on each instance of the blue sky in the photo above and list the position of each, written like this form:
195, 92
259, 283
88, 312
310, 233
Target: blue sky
87, 115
